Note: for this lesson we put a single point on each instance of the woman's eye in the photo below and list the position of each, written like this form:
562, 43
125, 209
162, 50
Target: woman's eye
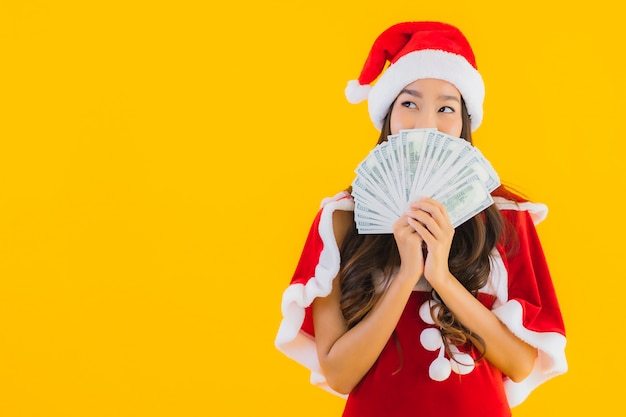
446, 109
409, 104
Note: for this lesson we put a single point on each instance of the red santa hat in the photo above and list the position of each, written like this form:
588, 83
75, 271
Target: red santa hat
418, 50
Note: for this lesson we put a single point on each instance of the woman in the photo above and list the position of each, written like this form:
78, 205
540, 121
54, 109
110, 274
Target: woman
430, 320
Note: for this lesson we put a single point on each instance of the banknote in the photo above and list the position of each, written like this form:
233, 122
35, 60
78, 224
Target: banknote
466, 199
415, 163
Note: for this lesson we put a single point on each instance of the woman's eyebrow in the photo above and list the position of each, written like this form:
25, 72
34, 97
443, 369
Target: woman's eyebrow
417, 94
447, 97
411, 92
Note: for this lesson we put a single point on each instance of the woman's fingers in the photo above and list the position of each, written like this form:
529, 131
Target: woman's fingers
409, 242
432, 207
430, 219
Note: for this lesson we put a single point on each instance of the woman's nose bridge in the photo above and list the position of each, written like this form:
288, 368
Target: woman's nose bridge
426, 119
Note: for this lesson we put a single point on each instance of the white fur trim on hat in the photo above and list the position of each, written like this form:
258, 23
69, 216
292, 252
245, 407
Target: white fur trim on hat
422, 64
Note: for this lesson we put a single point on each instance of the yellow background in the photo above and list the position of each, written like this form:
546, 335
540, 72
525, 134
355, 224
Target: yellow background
161, 162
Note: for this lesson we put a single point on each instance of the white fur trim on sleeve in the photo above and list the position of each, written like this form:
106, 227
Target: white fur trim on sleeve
551, 359
550, 362
294, 343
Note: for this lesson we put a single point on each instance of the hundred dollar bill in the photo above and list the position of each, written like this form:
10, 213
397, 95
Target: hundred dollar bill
363, 190
414, 142
397, 154
472, 164
451, 166
376, 179
433, 142
373, 208
483, 169
467, 199
449, 148
365, 228
368, 212
383, 160
369, 221
441, 167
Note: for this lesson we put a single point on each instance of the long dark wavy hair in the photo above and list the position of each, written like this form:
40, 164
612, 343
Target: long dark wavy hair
364, 255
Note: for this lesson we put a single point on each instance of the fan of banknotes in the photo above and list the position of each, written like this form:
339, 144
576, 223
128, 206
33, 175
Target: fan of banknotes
415, 163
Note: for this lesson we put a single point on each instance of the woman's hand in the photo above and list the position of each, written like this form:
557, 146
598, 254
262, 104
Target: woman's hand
430, 220
410, 248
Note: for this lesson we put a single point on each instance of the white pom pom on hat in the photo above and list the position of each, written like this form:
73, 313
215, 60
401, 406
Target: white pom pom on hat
356, 93
418, 50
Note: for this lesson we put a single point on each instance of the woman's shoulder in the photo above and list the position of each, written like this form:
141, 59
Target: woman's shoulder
337, 212
340, 206
511, 203
342, 199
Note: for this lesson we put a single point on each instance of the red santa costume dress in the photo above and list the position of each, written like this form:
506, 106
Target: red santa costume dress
421, 380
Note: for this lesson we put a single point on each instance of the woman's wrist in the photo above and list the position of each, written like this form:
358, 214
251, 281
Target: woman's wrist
441, 280
409, 275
